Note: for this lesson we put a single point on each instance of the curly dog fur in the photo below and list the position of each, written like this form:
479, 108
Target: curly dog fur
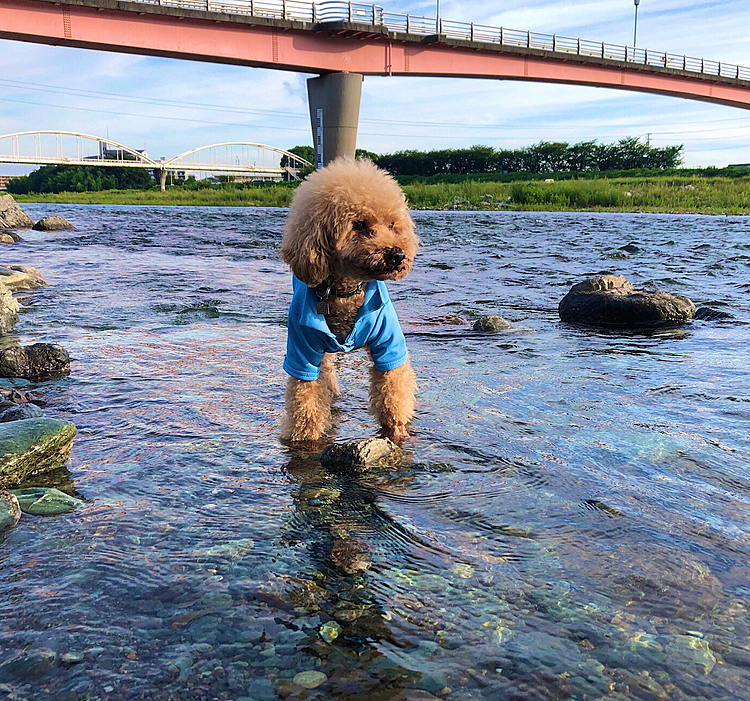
348, 223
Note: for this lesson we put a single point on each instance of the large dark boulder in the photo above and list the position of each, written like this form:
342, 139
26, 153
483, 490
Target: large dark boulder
611, 301
12, 216
53, 223
40, 361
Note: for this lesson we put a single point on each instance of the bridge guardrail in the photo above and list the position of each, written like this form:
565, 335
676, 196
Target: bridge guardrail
362, 13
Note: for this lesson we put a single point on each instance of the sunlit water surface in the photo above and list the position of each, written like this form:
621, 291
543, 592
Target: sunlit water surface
569, 520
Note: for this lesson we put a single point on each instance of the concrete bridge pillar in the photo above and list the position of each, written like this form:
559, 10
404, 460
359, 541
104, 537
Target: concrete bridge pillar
161, 174
334, 114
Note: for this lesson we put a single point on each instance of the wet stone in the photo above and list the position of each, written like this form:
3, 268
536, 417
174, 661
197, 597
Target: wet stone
12, 216
40, 361
46, 501
357, 454
309, 680
31, 446
19, 278
330, 631
709, 314
10, 511
491, 324
52, 223
611, 301
28, 665
21, 411
8, 310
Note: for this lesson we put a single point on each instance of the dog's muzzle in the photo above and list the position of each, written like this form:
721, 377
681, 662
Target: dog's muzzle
394, 257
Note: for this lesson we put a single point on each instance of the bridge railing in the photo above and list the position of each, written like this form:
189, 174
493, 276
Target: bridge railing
362, 13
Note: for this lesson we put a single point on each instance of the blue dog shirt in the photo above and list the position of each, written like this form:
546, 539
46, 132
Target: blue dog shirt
308, 335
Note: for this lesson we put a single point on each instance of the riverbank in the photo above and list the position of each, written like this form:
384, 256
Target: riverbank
678, 194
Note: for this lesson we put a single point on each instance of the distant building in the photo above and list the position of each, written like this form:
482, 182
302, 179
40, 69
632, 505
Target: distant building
4, 180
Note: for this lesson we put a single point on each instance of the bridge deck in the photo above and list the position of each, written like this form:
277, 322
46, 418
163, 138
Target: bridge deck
285, 34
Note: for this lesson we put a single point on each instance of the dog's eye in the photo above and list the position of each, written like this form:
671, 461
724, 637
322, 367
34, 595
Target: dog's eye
391, 225
359, 225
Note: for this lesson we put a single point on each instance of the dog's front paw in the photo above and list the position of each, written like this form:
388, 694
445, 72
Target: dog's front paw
398, 434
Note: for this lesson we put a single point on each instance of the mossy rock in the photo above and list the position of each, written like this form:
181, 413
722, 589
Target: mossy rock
30, 446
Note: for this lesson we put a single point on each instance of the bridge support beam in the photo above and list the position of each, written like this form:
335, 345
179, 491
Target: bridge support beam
161, 174
334, 114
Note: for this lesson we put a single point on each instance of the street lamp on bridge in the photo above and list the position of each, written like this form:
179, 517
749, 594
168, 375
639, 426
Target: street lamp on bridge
635, 23
437, 15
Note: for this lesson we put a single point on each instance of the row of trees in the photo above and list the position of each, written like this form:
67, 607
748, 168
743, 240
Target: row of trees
544, 157
81, 179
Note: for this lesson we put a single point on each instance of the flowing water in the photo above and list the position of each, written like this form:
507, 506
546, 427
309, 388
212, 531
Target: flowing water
569, 520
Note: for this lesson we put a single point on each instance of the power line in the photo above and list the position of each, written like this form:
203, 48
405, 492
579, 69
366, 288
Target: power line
298, 115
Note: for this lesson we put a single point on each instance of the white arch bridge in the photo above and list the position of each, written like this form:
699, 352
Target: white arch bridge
238, 158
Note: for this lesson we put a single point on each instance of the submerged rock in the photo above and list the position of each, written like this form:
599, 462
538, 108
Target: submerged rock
19, 278
53, 223
309, 680
10, 511
39, 361
491, 324
28, 665
12, 216
611, 301
45, 501
357, 454
30, 446
709, 314
20, 411
8, 310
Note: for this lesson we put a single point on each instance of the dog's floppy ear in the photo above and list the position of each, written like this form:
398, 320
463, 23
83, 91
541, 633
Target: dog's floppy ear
303, 249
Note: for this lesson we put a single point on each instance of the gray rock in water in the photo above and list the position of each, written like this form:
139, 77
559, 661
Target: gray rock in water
36, 362
45, 501
30, 446
10, 511
491, 324
20, 411
8, 310
12, 216
709, 314
611, 301
18, 278
53, 223
28, 665
357, 454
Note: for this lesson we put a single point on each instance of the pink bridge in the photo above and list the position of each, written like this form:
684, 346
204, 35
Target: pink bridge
333, 39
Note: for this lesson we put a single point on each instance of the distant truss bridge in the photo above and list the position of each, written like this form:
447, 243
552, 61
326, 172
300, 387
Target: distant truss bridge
241, 158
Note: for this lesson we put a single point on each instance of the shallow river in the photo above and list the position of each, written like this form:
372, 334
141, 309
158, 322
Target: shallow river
570, 519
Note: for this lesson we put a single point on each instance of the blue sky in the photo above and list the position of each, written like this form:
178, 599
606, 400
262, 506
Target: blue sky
168, 106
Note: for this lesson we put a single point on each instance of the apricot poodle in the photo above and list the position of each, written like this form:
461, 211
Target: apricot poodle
348, 231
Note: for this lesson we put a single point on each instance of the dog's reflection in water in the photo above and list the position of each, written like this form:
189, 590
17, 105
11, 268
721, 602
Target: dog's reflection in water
350, 539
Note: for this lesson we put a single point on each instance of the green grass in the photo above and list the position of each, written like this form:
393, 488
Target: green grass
653, 193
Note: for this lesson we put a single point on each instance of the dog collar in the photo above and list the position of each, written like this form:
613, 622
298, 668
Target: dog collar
326, 290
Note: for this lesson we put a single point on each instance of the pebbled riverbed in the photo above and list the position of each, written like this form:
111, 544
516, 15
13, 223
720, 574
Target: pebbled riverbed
570, 520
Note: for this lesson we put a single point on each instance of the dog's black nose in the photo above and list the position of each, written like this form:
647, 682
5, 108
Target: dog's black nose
395, 256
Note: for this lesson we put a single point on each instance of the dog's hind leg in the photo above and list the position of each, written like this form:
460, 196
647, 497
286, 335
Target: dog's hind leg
308, 410
328, 375
392, 399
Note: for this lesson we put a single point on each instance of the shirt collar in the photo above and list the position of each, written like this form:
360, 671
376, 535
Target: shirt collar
376, 297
